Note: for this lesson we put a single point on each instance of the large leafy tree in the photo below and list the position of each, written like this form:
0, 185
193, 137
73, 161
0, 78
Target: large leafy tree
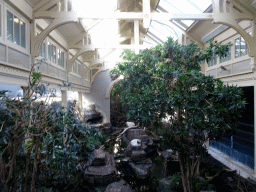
166, 82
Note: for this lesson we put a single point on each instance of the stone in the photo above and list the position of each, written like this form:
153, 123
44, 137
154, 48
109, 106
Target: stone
138, 156
99, 158
141, 169
135, 144
130, 124
144, 138
120, 186
100, 169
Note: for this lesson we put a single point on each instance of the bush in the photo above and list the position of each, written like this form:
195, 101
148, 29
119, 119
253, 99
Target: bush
42, 145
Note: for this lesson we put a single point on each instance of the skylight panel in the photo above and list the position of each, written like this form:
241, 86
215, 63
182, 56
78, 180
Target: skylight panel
188, 22
154, 33
166, 31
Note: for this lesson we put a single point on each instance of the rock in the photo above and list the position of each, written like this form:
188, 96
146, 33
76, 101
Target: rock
137, 159
144, 138
135, 134
99, 158
135, 144
120, 186
171, 161
170, 156
142, 169
130, 124
100, 169
138, 156
164, 185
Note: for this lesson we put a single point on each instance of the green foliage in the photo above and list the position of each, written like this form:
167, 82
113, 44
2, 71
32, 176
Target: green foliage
166, 82
175, 181
42, 145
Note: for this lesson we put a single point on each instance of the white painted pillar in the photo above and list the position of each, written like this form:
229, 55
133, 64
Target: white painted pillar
64, 98
66, 5
146, 12
136, 35
80, 102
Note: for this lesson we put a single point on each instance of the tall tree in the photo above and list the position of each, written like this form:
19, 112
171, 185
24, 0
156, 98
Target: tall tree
166, 82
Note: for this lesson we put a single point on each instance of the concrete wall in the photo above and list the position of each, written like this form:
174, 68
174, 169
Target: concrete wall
98, 94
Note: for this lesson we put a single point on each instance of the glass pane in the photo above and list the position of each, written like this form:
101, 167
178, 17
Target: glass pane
9, 26
62, 58
79, 70
54, 54
59, 59
23, 34
243, 47
215, 59
229, 54
75, 67
237, 47
16, 30
42, 51
49, 51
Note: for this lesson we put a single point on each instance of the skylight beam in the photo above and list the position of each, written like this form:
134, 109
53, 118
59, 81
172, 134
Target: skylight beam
194, 5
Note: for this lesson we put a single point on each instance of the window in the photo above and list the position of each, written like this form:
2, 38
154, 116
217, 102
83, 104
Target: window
51, 52
16, 30
60, 58
240, 47
212, 61
77, 68
42, 50
228, 57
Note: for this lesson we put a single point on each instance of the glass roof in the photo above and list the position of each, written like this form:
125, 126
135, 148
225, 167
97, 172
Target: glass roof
105, 32
181, 7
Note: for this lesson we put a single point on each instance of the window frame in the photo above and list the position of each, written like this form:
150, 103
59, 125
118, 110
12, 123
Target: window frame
228, 57
51, 56
213, 61
59, 50
11, 44
79, 65
21, 20
239, 49
58, 47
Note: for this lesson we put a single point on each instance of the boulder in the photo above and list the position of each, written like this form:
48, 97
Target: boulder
142, 169
99, 158
100, 169
120, 186
138, 156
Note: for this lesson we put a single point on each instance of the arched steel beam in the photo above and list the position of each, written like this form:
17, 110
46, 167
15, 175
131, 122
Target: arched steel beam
111, 85
85, 49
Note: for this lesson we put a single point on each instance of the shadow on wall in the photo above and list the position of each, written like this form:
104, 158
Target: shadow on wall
98, 94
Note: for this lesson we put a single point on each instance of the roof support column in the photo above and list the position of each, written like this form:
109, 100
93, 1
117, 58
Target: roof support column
146, 13
136, 35
80, 103
64, 98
